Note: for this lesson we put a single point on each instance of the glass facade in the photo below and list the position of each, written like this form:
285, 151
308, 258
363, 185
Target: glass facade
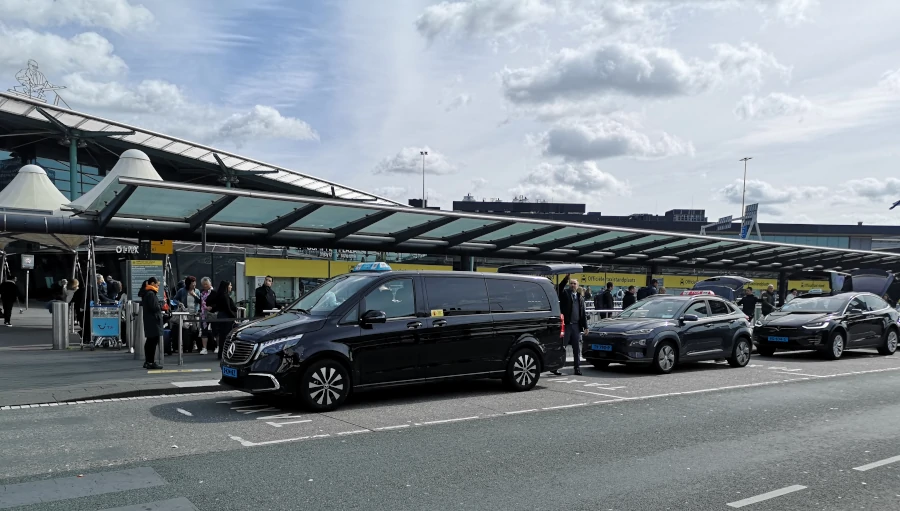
58, 172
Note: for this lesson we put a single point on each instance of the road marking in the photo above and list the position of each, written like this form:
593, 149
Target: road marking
279, 424
877, 464
563, 406
354, 432
197, 383
766, 496
598, 394
247, 443
280, 416
182, 411
167, 371
522, 411
446, 421
387, 428
802, 374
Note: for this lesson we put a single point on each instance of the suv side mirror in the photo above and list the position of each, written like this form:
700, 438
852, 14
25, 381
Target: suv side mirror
689, 317
372, 317
856, 311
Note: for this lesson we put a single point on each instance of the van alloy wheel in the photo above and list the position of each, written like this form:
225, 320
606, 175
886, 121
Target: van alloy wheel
522, 370
324, 386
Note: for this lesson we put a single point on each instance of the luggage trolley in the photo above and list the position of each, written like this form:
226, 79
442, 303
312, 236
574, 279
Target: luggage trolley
106, 326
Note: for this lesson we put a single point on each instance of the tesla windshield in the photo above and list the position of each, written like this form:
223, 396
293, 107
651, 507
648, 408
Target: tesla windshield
659, 308
330, 295
817, 304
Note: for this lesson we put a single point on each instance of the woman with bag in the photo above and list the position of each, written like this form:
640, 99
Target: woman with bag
207, 301
225, 309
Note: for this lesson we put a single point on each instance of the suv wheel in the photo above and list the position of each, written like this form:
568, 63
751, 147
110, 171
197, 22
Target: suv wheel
890, 343
599, 364
324, 386
766, 351
835, 346
522, 371
740, 356
664, 359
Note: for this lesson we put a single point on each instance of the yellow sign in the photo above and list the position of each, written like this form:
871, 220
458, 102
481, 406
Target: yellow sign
161, 247
146, 262
436, 313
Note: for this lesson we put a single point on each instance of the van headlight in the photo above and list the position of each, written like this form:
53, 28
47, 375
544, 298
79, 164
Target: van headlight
280, 344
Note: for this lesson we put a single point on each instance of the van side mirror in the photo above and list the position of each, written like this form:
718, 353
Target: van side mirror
689, 317
373, 317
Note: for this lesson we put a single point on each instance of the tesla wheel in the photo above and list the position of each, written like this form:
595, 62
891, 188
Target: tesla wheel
890, 343
765, 351
835, 347
325, 386
664, 359
740, 356
599, 364
523, 370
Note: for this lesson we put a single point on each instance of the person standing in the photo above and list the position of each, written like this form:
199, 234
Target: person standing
793, 294
265, 298
588, 294
9, 293
629, 298
608, 302
748, 303
768, 300
571, 305
190, 299
152, 317
207, 300
225, 310
113, 288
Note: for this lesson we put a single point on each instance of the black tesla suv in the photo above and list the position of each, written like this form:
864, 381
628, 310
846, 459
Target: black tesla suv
831, 324
376, 328
662, 331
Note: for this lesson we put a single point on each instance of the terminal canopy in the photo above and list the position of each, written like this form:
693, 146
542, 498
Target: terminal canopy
178, 210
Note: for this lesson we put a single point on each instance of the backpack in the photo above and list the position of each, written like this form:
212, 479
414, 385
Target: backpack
643, 292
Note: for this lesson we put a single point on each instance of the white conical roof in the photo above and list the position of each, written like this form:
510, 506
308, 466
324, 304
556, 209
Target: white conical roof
132, 163
32, 189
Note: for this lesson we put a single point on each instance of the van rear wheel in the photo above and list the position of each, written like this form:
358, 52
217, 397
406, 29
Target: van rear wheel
522, 371
324, 386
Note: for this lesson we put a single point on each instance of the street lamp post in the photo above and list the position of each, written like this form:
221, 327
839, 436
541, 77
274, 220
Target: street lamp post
744, 192
424, 154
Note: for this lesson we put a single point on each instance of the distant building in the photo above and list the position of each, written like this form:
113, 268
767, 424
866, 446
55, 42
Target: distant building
417, 203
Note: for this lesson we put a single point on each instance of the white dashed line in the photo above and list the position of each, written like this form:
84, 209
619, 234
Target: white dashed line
563, 406
354, 432
522, 411
279, 424
598, 394
446, 421
388, 428
766, 496
877, 464
182, 411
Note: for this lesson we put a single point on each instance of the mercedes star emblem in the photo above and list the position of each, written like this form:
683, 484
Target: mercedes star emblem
230, 351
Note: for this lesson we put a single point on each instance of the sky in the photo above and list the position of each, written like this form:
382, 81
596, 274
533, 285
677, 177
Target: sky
630, 106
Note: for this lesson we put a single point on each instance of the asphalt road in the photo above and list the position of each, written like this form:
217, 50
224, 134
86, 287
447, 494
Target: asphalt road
793, 432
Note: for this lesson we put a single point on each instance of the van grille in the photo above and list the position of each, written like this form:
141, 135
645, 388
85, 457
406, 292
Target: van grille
243, 350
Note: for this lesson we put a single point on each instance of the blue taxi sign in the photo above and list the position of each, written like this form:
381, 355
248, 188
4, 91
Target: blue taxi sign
380, 266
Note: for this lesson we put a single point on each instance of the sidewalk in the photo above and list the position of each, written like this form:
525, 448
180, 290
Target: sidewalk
32, 373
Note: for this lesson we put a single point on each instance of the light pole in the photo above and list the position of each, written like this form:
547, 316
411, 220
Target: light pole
744, 192
424, 154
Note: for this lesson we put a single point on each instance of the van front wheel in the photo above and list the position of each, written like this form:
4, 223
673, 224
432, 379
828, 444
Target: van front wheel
324, 386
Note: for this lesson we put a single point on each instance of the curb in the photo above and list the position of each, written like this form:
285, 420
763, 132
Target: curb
139, 393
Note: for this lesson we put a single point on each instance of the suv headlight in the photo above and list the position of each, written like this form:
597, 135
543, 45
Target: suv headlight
642, 331
818, 325
280, 344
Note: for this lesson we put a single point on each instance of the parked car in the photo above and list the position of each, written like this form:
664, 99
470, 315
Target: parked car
375, 327
830, 324
663, 330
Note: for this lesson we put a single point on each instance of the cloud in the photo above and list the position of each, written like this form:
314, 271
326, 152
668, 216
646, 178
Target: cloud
792, 12
874, 188
775, 104
458, 101
891, 80
165, 107
479, 182
88, 53
628, 69
569, 182
764, 193
481, 18
608, 138
397, 193
409, 161
116, 15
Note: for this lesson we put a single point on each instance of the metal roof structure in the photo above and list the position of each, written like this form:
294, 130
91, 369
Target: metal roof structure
166, 210
20, 116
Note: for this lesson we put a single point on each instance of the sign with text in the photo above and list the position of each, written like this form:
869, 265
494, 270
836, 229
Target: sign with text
105, 327
164, 247
140, 270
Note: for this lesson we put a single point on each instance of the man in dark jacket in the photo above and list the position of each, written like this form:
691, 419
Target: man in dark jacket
113, 288
629, 298
608, 302
9, 293
748, 303
571, 304
265, 298
152, 317
768, 300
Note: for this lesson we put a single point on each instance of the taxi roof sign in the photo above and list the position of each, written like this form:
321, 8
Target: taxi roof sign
379, 266
816, 291
692, 292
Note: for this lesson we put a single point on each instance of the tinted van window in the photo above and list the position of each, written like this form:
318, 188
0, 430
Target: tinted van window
456, 296
396, 298
516, 296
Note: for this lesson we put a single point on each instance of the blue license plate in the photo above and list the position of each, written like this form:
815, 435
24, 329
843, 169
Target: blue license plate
229, 372
772, 338
601, 347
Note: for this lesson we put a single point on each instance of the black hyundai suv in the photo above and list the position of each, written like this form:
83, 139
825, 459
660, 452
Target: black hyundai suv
662, 331
830, 324
378, 328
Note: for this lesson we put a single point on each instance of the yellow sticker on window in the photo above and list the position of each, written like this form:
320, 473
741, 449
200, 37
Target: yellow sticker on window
437, 312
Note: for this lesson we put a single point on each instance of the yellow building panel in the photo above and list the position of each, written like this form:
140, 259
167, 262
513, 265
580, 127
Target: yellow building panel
296, 268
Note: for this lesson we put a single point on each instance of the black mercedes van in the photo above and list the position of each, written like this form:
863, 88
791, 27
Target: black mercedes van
375, 327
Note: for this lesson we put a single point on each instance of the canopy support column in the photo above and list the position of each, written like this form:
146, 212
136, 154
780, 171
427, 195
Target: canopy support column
73, 166
651, 270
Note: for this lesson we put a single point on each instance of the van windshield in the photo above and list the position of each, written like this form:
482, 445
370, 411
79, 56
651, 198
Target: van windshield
330, 294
